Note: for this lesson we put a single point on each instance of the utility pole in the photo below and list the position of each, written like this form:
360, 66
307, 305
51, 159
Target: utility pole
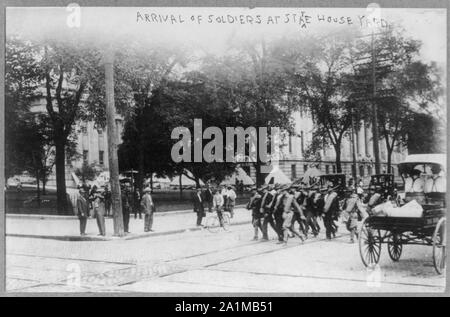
112, 143
376, 149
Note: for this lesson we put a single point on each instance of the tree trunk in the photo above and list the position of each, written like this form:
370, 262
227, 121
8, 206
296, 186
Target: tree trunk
38, 190
389, 158
181, 187
337, 149
44, 182
151, 181
61, 195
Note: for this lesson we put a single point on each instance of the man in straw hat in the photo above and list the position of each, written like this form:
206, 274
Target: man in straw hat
148, 208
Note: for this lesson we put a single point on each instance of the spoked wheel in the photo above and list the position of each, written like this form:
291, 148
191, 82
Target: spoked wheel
395, 246
226, 221
213, 224
439, 242
369, 244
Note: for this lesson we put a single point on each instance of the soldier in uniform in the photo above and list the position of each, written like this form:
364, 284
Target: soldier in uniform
266, 211
308, 202
289, 205
354, 210
330, 211
277, 210
254, 205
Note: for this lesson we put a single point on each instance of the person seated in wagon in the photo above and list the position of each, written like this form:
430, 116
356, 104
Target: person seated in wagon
436, 183
414, 183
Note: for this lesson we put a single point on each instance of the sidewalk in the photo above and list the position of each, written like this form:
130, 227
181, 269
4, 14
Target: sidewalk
67, 227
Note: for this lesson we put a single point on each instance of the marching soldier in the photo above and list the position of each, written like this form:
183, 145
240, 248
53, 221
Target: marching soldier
289, 204
353, 211
266, 211
330, 211
254, 205
277, 211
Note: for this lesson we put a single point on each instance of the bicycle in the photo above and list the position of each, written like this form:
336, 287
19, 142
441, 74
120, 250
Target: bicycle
213, 222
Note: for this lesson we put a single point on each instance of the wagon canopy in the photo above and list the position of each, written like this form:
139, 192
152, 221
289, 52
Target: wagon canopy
421, 161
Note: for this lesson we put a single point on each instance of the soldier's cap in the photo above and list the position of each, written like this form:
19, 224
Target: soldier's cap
147, 190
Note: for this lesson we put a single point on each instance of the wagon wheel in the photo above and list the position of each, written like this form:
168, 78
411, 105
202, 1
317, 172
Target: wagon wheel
439, 242
369, 244
395, 247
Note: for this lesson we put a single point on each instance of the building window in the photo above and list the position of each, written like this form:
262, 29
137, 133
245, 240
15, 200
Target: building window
327, 169
101, 157
68, 160
100, 131
369, 170
302, 140
290, 143
334, 169
361, 170
85, 155
293, 172
305, 167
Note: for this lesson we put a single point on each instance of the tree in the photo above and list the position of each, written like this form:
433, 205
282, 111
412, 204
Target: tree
251, 88
87, 172
67, 68
141, 73
406, 87
22, 79
324, 83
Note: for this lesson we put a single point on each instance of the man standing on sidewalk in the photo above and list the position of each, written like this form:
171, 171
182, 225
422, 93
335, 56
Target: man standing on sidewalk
82, 211
99, 212
125, 208
148, 208
198, 206
231, 194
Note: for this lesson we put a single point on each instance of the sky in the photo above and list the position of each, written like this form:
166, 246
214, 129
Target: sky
212, 28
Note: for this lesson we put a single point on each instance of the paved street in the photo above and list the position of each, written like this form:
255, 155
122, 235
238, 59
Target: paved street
200, 261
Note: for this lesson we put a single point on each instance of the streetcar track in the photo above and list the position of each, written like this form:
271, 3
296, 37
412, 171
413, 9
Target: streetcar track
320, 277
70, 259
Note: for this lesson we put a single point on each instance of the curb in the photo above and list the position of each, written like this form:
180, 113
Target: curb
112, 238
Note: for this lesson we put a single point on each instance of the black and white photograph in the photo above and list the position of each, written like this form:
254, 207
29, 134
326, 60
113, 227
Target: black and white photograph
236, 149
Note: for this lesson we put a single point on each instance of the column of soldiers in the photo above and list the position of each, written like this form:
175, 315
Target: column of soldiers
97, 203
294, 211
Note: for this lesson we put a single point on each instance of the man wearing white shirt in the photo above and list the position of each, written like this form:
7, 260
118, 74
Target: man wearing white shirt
437, 182
231, 200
